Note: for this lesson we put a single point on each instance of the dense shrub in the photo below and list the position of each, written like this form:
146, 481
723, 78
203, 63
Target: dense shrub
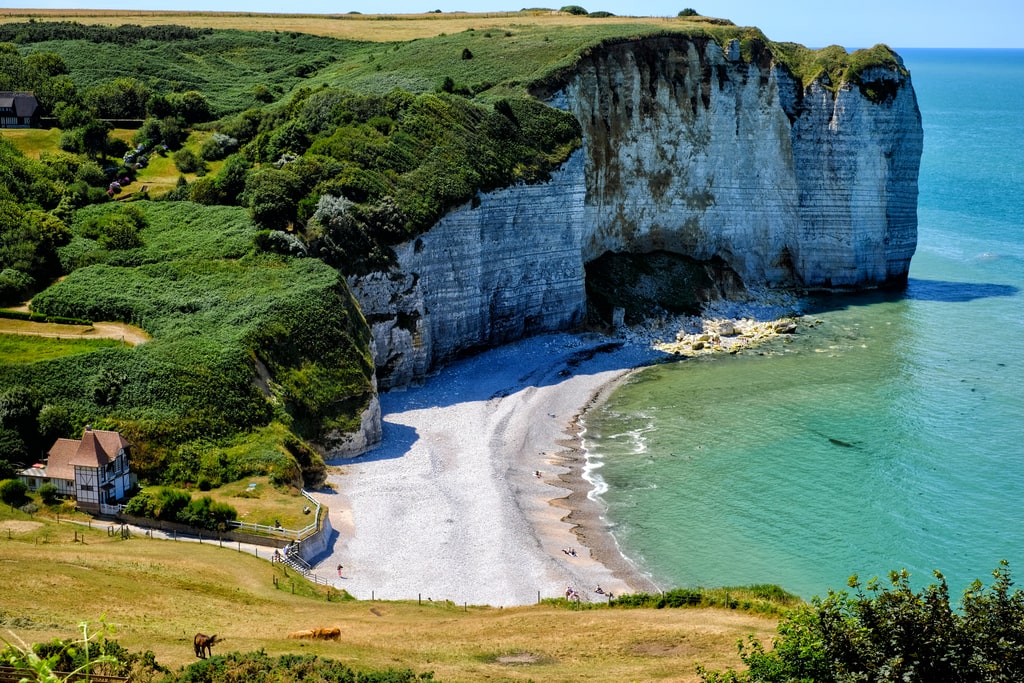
401, 160
196, 74
574, 9
92, 655
205, 513
218, 147
213, 306
49, 494
118, 230
186, 161
894, 634
128, 34
175, 505
15, 286
13, 492
259, 667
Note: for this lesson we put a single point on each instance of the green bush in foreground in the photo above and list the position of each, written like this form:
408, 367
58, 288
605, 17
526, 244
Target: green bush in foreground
58, 661
258, 667
894, 634
175, 505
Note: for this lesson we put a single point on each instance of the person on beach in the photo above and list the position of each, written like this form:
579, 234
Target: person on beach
339, 571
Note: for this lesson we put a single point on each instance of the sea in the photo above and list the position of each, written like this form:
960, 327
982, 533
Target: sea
888, 434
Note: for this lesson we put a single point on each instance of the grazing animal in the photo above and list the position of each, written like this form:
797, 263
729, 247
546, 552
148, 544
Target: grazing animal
203, 643
333, 633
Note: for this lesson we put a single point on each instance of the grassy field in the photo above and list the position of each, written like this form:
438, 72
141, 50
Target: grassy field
15, 348
34, 141
372, 27
159, 176
259, 502
158, 594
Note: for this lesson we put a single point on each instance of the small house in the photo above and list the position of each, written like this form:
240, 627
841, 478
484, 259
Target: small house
94, 470
18, 110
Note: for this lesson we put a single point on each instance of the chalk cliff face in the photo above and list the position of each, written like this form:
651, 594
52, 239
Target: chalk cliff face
687, 148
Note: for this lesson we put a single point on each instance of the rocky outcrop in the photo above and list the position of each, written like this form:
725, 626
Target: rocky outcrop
689, 149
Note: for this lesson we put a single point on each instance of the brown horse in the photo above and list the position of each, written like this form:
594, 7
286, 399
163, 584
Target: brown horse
202, 644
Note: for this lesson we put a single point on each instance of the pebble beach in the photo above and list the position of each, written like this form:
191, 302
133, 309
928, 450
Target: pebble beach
478, 493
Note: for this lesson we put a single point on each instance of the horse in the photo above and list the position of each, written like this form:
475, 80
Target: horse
202, 644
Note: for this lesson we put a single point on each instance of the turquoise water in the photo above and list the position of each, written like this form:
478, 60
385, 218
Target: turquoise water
891, 433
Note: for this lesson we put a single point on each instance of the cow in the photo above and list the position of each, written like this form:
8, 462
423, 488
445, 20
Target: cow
332, 633
202, 645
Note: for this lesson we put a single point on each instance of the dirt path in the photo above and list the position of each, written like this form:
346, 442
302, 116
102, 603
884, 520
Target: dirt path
128, 334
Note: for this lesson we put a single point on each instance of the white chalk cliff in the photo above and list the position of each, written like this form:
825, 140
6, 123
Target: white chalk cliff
687, 148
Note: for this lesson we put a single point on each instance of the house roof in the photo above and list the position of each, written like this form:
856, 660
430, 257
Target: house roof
96, 449
23, 103
58, 464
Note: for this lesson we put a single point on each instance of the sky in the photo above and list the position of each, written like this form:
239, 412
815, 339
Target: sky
814, 23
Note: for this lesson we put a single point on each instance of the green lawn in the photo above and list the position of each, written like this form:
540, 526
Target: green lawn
34, 141
16, 348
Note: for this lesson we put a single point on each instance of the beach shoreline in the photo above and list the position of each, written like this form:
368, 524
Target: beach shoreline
584, 512
479, 492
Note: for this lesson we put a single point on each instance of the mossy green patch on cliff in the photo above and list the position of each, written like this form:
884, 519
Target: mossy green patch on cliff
833, 66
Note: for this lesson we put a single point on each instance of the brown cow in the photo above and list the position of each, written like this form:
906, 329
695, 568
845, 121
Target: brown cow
333, 633
203, 643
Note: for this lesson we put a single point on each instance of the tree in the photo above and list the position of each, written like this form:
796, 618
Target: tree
14, 492
54, 422
688, 12
224, 187
49, 494
91, 138
191, 105
574, 9
186, 161
272, 195
121, 98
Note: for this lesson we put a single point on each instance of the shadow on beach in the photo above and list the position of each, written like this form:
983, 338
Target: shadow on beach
535, 362
397, 441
